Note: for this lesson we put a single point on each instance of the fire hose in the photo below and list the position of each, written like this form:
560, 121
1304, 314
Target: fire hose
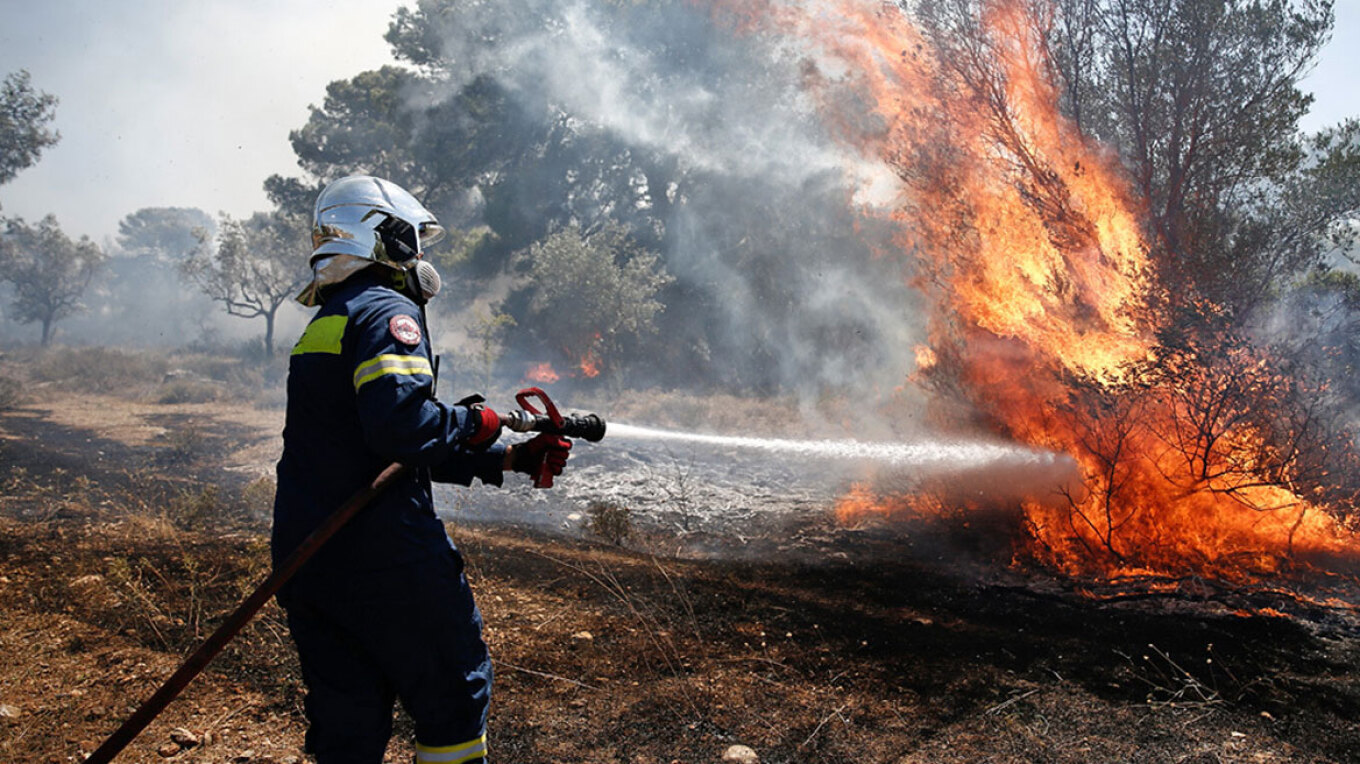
587, 427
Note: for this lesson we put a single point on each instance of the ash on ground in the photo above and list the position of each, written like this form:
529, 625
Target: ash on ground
706, 498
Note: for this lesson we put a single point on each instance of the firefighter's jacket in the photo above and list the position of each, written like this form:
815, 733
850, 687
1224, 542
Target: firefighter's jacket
360, 396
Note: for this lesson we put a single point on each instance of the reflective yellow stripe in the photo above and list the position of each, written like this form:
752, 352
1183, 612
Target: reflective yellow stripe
382, 365
322, 336
452, 754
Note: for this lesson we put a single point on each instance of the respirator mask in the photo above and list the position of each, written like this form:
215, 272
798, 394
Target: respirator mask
417, 279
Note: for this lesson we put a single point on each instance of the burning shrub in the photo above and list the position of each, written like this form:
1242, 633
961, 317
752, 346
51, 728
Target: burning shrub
590, 291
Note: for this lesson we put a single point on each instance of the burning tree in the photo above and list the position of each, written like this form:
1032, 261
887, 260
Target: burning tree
1201, 100
1100, 303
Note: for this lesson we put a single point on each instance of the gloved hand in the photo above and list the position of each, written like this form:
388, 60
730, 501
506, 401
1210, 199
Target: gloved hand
486, 426
541, 457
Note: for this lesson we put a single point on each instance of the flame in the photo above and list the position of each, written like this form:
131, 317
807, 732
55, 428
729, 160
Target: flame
542, 373
1032, 245
590, 365
925, 358
590, 362
862, 502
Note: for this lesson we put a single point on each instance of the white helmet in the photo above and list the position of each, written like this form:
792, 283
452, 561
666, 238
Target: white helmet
361, 220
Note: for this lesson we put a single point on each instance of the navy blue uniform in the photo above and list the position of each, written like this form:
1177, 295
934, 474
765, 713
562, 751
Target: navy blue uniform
383, 610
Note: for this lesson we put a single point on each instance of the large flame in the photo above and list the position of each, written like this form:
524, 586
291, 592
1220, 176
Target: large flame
1033, 250
543, 373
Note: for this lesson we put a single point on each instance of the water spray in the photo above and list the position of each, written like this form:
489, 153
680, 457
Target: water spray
926, 455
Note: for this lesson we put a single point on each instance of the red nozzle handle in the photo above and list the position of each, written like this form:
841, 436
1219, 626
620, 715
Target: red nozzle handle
544, 478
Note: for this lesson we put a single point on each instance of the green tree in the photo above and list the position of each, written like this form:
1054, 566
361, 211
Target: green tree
591, 292
253, 266
48, 270
166, 234
487, 331
1202, 100
24, 114
291, 196
363, 126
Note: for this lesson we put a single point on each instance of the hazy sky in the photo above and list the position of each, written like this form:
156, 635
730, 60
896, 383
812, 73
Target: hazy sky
176, 102
189, 103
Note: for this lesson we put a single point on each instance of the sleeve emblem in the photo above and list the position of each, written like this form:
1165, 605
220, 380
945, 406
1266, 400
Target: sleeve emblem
405, 329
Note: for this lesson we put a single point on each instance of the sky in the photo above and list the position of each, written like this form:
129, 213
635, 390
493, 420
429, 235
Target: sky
184, 103
189, 103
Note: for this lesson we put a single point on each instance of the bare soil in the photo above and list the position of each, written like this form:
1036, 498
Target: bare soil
128, 530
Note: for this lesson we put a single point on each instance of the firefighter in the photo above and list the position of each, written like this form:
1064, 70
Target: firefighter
383, 611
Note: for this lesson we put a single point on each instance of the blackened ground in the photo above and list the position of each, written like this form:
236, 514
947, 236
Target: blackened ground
817, 644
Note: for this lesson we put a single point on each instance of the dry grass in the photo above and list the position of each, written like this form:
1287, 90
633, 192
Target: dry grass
115, 560
11, 393
97, 369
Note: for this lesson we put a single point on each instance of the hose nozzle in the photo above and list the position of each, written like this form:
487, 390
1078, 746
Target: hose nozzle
584, 426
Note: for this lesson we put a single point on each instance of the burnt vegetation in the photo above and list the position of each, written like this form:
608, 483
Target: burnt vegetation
693, 253
116, 559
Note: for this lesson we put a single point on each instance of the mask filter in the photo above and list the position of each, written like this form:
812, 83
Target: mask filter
427, 280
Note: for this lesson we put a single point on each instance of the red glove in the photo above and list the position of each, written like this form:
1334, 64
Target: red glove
486, 426
541, 457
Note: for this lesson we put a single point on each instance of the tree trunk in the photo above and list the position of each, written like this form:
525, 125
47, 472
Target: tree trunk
46, 330
269, 335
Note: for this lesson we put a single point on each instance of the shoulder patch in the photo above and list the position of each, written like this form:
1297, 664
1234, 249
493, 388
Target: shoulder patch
405, 329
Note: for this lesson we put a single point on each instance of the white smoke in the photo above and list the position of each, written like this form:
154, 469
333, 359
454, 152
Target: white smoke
729, 107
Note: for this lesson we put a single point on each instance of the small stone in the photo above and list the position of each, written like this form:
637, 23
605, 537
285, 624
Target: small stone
167, 750
740, 754
8, 712
184, 738
582, 637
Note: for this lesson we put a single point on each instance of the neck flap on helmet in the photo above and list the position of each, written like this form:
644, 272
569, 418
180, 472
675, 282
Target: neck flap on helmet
361, 221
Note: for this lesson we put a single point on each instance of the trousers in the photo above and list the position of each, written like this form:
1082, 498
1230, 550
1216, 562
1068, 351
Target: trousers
411, 633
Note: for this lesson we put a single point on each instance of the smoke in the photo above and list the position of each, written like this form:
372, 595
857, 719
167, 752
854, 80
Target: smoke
1313, 326
768, 224
139, 299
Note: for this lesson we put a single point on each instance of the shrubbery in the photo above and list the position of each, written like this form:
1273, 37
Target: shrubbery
609, 520
11, 392
188, 391
98, 369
